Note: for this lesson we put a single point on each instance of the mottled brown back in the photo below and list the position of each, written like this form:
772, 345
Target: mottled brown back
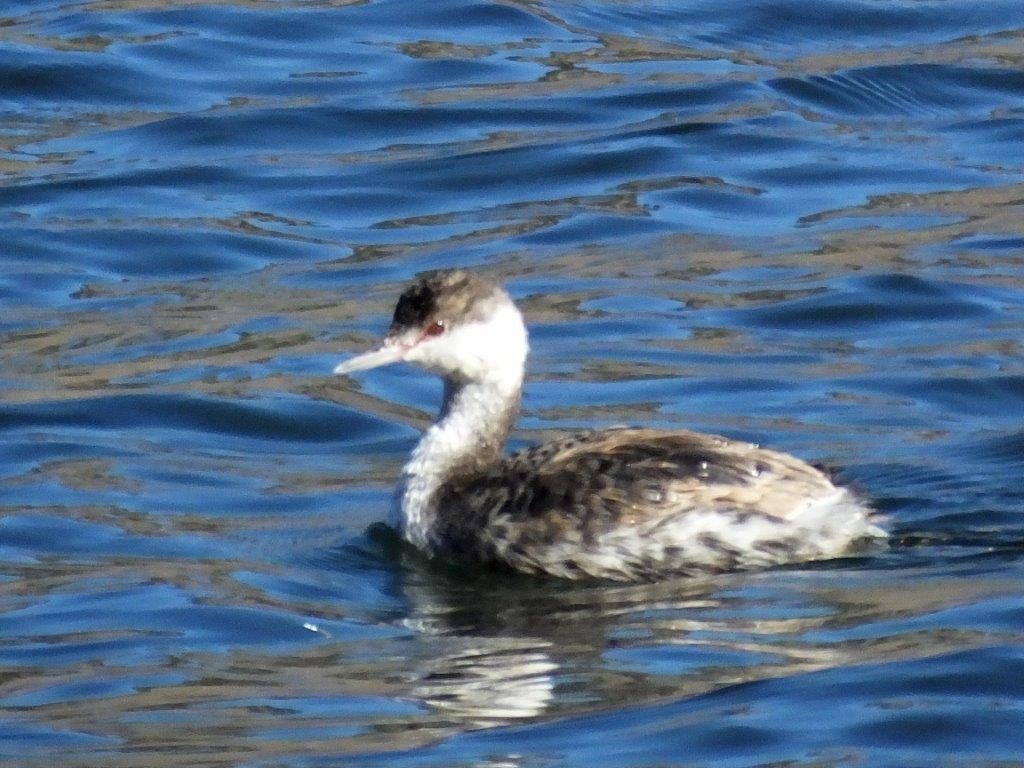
574, 490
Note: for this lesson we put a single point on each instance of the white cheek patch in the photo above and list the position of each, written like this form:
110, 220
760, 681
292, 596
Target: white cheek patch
492, 350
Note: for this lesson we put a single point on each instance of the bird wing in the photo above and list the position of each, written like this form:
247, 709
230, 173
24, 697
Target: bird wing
587, 484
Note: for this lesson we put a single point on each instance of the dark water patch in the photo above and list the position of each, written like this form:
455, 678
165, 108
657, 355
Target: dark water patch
905, 89
459, 21
28, 533
990, 140
180, 254
972, 253
717, 200
60, 614
720, 138
89, 190
163, 614
880, 300
611, 226
372, 605
213, 627
995, 396
26, 740
922, 481
39, 288
860, 175
1010, 245
78, 79
208, 135
1005, 449
297, 421
781, 26
681, 100
980, 528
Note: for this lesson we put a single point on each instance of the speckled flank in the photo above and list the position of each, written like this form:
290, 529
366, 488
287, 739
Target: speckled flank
622, 504
635, 504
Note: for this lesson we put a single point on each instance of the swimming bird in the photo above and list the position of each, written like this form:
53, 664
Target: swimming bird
625, 504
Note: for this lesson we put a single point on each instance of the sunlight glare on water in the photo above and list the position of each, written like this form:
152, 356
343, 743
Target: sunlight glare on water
796, 223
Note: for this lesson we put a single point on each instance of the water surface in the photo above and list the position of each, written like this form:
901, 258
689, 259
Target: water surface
796, 223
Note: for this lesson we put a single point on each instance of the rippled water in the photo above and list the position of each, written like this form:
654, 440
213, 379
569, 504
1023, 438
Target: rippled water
799, 223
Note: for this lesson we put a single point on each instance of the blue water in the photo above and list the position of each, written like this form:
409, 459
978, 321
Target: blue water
799, 223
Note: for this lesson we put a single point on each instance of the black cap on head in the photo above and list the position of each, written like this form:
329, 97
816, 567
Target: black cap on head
415, 305
449, 295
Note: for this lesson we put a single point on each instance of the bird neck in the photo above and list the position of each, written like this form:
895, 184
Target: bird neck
475, 419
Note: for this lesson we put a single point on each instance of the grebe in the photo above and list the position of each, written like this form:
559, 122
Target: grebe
623, 503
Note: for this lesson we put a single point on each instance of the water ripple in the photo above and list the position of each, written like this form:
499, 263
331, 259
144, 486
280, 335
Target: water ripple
797, 223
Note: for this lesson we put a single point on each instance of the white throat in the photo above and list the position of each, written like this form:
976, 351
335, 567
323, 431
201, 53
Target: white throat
481, 401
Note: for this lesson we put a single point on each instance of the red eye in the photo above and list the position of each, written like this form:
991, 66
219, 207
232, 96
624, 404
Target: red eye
436, 328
